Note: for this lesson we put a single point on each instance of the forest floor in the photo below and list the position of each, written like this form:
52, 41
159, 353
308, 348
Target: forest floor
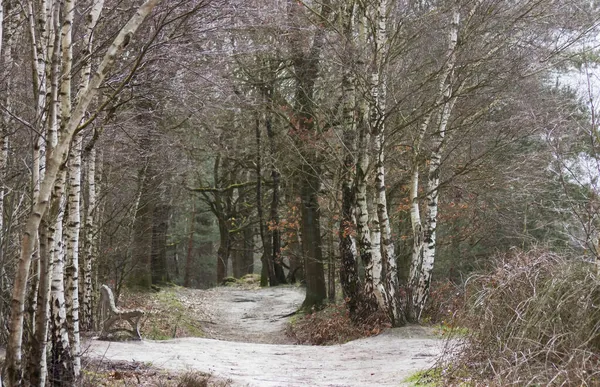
245, 343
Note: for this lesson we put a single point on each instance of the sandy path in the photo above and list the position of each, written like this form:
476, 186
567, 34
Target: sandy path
256, 315
251, 316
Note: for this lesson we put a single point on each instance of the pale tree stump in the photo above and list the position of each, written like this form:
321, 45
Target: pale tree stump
110, 316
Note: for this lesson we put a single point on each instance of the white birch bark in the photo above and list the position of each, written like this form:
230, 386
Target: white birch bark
39, 59
13, 374
72, 257
89, 231
376, 257
390, 284
350, 280
4, 122
61, 355
425, 235
74, 192
362, 213
372, 296
38, 364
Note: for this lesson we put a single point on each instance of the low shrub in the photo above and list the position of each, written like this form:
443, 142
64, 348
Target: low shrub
332, 325
534, 320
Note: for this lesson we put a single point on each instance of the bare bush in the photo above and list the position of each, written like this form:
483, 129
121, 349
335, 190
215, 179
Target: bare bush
534, 320
333, 325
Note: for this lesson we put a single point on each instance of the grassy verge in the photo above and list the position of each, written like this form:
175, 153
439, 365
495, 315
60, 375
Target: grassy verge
167, 317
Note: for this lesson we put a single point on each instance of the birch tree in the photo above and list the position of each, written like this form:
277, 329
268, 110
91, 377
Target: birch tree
349, 278
422, 261
13, 372
389, 282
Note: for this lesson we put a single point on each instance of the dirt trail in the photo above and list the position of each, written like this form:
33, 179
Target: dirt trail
255, 353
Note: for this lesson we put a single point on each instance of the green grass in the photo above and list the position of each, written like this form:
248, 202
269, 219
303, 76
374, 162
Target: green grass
425, 378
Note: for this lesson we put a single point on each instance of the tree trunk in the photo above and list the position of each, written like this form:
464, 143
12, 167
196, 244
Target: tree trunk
393, 304
189, 259
372, 296
274, 216
72, 257
312, 246
267, 256
141, 271
89, 246
89, 230
389, 282
160, 274
37, 367
62, 365
223, 251
306, 70
350, 281
248, 265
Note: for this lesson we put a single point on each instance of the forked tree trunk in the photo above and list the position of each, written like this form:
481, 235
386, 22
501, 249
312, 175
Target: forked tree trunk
425, 235
13, 373
389, 282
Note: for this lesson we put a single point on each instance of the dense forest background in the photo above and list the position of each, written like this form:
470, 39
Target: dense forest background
359, 147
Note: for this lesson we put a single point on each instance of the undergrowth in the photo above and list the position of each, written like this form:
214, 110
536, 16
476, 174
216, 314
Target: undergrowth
533, 321
117, 374
332, 325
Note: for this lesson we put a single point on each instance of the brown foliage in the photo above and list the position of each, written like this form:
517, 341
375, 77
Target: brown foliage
446, 299
333, 325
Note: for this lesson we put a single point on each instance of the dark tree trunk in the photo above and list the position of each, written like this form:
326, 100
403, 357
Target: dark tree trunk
330, 263
223, 252
237, 258
312, 247
189, 259
306, 71
248, 267
266, 243
274, 221
160, 273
